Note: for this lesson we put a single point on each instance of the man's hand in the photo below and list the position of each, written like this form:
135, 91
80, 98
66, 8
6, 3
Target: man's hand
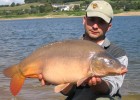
98, 85
42, 80
92, 81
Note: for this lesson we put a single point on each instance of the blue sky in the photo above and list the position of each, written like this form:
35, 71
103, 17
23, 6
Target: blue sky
8, 2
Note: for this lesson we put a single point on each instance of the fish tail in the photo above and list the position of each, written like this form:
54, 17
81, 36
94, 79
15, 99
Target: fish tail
17, 78
16, 83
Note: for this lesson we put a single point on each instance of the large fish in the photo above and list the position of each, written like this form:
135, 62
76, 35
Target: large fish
62, 63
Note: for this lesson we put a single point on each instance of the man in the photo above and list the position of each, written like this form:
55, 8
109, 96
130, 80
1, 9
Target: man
97, 22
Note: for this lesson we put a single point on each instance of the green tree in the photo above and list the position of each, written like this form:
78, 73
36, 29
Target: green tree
42, 9
33, 9
48, 7
13, 4
76, 8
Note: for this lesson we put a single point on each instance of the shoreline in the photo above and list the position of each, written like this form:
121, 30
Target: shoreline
131, 97
132, 13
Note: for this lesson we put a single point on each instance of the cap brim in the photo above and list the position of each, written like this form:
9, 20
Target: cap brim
99, 14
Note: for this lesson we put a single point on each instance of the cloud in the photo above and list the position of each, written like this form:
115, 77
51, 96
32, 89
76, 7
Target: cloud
8, 2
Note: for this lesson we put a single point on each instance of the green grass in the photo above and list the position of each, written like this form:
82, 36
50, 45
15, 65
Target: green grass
23, 6
75, 13
69, 13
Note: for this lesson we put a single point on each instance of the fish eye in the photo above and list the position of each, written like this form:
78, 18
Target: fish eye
109, 62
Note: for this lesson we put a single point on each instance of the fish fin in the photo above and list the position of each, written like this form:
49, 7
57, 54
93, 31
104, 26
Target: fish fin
11, 71
16, 83
79, 82
17, 78
61, 87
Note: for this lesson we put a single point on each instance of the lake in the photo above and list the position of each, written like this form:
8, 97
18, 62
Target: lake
18, 38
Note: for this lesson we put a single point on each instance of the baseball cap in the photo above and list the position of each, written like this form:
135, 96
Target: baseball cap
100, 8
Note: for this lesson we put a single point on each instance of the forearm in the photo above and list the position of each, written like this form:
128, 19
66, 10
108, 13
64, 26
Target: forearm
67, 90
101, 88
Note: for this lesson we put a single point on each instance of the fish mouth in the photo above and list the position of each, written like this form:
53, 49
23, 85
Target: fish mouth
123, 70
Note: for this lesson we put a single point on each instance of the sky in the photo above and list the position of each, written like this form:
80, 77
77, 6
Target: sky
8, 2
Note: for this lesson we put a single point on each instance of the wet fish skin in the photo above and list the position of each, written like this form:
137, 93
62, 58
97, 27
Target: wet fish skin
62, 63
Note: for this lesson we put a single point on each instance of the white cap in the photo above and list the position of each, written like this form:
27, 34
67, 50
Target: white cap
100, 8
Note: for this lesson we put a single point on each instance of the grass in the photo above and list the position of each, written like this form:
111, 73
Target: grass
50, 14
69, 13
23, 16
23, 6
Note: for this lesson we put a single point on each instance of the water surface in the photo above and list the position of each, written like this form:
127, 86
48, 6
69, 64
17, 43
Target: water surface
18, 38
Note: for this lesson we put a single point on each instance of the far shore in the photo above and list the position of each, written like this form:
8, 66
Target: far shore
131, 97
132, 13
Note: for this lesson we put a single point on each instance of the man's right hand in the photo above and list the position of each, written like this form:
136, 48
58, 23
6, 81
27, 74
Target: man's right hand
42, 80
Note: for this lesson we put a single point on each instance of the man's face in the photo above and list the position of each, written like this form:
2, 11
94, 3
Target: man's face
95, 27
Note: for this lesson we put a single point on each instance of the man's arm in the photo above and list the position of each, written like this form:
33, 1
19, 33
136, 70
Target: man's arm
98, 86
68, 90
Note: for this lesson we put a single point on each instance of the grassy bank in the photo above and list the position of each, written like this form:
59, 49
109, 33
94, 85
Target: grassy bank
131, 97
60, 15
46, 15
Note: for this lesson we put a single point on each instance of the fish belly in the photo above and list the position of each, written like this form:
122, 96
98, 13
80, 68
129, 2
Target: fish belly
68, 70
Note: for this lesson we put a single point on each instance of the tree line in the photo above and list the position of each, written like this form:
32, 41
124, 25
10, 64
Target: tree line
125, 5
